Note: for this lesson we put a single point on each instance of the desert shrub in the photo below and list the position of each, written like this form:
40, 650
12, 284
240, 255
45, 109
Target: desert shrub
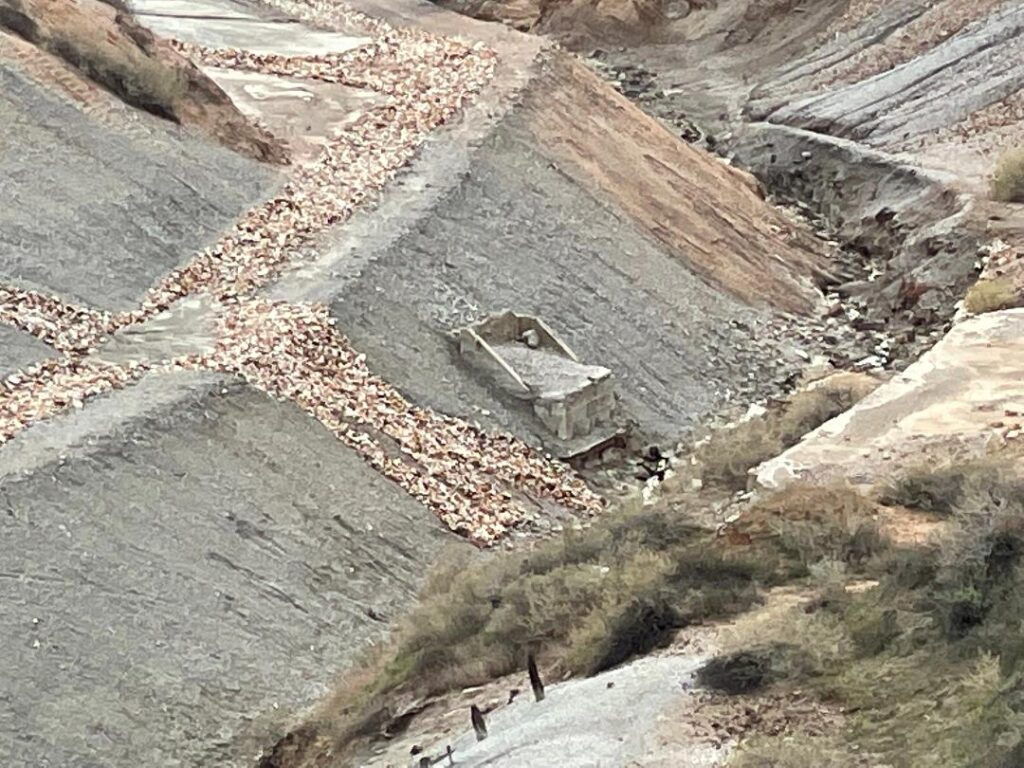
872, 628
942, 489
739, 672
730, 454
587, 601
809, 524
991, 296
143, 82
582, 603
117, 62
1008, 180
797, 752
930, 661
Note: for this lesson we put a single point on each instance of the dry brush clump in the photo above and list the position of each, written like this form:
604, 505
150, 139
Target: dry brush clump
103, 41
727, 457
586, 601
103, 49
991, 296
929, 664
942, 489
1008, 180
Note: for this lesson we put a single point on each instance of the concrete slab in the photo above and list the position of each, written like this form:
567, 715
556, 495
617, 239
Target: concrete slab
304, 113
176, 590
205, 24
546, 373
97, 216
19, 350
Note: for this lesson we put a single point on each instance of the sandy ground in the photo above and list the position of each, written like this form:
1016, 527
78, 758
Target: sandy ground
616, 719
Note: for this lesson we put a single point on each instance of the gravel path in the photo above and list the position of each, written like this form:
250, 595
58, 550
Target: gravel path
607, 721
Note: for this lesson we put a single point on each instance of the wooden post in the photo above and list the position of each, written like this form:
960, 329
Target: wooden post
535, 682
478, 722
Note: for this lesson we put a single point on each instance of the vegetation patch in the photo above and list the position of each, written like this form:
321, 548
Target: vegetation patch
123, 65
991, 296
1008, 180
102, 40
797, 752
726, 459
928, 664
587, 601
739, 672
941, 490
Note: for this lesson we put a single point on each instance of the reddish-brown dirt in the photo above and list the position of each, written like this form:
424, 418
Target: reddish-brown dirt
725, 233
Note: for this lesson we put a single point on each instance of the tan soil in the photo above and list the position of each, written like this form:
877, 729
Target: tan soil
160, 80
908, 527
726, 234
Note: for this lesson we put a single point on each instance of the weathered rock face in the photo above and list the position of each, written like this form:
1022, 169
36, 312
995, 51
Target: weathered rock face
881, 119
936, 88
919, 237
961, 398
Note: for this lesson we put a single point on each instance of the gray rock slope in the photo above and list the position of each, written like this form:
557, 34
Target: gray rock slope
98, 215
178, 588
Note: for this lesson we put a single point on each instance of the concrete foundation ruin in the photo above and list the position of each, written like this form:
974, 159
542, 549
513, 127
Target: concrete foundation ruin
527, 359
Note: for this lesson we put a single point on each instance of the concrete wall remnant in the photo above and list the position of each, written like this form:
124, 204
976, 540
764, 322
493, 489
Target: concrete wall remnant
530, 361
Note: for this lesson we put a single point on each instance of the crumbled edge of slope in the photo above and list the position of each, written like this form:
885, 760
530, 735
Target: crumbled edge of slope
109, 47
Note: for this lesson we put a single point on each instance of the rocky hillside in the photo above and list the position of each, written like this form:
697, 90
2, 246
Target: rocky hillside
246, 250
234, 426
885, 125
